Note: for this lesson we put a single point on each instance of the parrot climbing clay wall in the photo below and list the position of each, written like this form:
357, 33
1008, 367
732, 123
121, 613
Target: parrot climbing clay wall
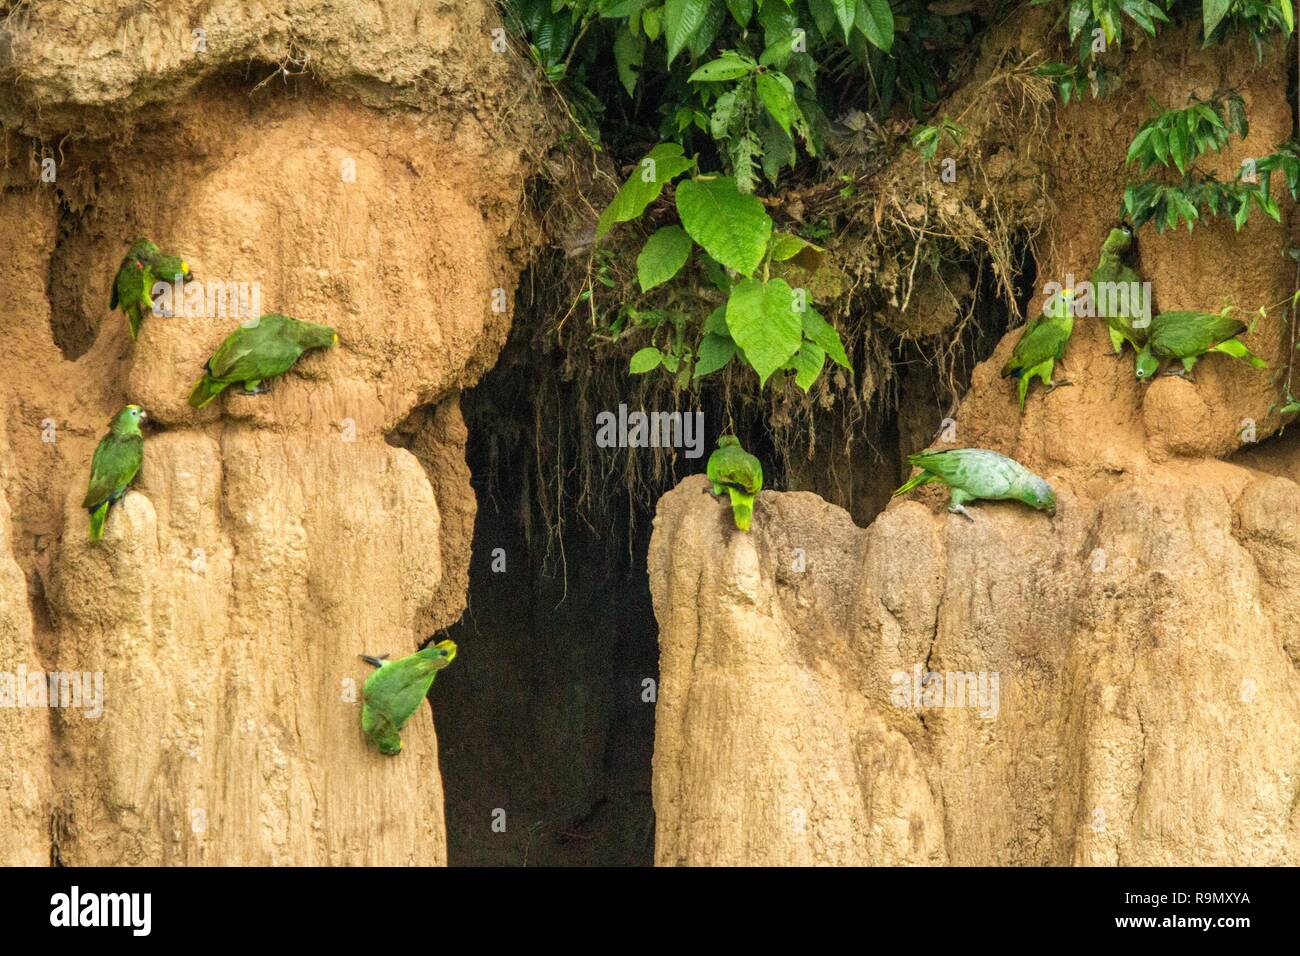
269, 540
1130, 665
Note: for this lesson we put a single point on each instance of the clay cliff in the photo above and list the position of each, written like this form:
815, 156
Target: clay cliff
1142, 640
363, 165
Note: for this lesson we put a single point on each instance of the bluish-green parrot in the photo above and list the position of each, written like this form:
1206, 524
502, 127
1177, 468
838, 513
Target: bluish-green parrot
258, 351
732, 468
973, 473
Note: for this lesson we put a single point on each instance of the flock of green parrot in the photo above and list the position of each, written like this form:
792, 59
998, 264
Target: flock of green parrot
978, 473
252, 355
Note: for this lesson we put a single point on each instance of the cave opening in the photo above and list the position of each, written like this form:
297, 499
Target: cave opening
546, 723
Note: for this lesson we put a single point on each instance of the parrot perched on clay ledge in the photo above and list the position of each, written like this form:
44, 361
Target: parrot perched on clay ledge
395, 691
974, 473
258, 351
114, 466
732, 468
144, 265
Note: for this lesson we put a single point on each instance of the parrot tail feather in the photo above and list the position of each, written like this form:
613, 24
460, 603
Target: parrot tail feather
742, 508
97, 516
205, 390
920, 478
133, 318
1237, 349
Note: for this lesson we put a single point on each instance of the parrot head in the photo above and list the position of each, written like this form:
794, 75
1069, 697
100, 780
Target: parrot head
1120, 238
1039, 494
1146, 365
142, 249
727, 441
441, 654
128, 420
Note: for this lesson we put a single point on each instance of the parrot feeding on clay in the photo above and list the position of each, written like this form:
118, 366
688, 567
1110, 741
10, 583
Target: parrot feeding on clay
395, 691
114, 466
1042, 345
258, 351
740, 473
1119, 292
974, 473
144, 265
1186, 336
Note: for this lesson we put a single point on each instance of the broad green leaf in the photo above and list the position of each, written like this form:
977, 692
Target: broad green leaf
1212, 12
729, 66
681, 19
651, 21
762, 320
823, 12
807, 364
733, 228
876, 21
777, 93
646, 360
844, 12
715, 352
660, 166
662, 257
817, 329
624, 8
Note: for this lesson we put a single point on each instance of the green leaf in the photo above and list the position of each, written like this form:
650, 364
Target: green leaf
624, 8
777, 93
662, 257
844, 12
817, 329
762, 321
716, 323
715, 352
733, 228
660, 166
729, 66
681, 19
646, 360
741, 11
807, 364
1214, 11
876, 21
787, 246
629, 54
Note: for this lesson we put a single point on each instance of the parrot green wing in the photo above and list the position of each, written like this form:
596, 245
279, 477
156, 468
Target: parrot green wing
982, 473
1043, 339
1187, 334
114, 466
732, 466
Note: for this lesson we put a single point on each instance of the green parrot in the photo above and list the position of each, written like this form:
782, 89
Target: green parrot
114, 466
740, 473
144, 265
1042, 345
974, 473
257, 351
394, 692
1187, 336
1120, 309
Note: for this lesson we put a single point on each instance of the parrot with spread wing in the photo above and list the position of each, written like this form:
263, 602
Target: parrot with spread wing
395, 691
1187, 336
1119, 293
1042, 345
973, 473
257, 351
732, 468
144, 265
114, 466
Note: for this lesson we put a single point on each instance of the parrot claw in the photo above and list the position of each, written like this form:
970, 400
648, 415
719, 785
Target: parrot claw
375, 661
260, 390
961, 510
1053, 386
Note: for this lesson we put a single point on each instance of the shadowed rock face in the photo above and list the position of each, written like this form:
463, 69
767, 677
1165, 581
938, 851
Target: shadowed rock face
1143, 640
269, 540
